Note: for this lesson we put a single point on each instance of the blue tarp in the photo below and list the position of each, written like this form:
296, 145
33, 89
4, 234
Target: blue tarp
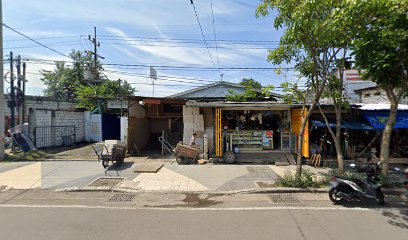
378, 119
345, 124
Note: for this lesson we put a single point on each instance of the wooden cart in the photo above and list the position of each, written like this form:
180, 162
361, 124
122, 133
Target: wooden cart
116, 155
185, 153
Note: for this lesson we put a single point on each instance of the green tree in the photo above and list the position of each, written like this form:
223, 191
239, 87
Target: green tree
312, 41
93, 96
254, 90
379, 30
250, 82
66, 83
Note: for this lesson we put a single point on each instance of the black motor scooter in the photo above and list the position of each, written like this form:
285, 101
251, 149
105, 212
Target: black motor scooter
350, 189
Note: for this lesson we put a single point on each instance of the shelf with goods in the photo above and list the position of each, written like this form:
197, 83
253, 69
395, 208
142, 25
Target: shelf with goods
244, 140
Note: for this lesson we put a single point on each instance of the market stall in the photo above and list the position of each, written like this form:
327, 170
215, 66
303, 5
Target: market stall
255, 130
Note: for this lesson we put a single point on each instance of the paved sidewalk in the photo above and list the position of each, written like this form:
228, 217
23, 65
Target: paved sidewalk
74, 175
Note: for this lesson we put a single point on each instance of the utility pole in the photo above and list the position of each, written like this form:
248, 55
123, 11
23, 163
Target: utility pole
19, 88
12, 102
96, 44
24, 90
2, 103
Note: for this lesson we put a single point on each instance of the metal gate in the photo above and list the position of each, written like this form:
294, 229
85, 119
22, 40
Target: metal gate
53, 136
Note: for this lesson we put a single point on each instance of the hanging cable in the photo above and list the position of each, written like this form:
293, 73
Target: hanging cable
202, 33
22, 34
215, 35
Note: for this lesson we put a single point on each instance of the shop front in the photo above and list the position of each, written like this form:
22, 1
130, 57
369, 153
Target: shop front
249, 132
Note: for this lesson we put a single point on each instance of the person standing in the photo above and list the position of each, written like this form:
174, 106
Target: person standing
193, 139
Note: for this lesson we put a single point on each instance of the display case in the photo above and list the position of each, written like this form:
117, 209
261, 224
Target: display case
245, 140
285, 141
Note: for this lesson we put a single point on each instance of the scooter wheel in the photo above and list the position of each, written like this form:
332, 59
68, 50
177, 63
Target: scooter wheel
333, 196
380, 197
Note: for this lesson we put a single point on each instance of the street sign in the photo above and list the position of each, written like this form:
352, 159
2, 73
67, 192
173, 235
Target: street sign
153, 73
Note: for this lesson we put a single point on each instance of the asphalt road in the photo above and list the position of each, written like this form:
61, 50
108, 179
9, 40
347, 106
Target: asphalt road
92, 222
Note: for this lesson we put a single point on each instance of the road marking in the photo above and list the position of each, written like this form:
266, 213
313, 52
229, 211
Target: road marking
186, 209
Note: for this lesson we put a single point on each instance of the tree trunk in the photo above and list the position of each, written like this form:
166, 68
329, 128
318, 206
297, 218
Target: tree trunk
300, 140
337, 140
386, 136
340, 157
336, 136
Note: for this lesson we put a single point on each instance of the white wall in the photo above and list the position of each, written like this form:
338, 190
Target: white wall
123, 129
376, 96
93, 127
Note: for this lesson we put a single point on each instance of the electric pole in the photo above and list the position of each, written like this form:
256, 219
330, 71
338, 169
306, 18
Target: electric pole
12, 102
19, 88
96, 44
24, 90
2, 103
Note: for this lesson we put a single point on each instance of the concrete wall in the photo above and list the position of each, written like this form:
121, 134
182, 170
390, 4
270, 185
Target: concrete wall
138, 132
93, 127
38, 102
376, 96
54, 120
138, 126
209, 129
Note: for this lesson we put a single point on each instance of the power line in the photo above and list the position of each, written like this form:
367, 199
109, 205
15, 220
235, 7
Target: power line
66, 43
22, 34
202, 33
41, 38
166, 67
231, 41
215, 34
181, 46
165, 77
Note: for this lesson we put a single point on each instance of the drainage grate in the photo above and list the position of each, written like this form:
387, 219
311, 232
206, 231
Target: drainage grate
262, 169
122, 197
105, 182
284, 198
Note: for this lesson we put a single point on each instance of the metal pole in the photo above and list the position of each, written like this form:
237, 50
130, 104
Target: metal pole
12, 100
24, 89
19, 88
2, 103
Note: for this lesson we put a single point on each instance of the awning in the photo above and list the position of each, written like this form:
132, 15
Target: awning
345, 124
378, 119
322, 124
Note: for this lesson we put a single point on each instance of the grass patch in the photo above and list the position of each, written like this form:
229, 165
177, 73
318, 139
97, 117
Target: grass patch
28, 156
306, 180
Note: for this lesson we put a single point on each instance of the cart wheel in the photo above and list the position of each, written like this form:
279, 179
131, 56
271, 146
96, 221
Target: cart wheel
229, 157
181, 160
105, 163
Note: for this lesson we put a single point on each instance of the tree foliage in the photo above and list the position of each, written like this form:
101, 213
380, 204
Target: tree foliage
380, 40
379, 29
312, 39
250, 82
253, 91
66, 83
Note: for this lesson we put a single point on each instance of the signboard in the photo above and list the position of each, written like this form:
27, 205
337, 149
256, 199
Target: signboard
296, 124
117, 104
152, 101
153, 73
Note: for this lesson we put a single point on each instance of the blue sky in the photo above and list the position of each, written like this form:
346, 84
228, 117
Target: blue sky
144, 32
